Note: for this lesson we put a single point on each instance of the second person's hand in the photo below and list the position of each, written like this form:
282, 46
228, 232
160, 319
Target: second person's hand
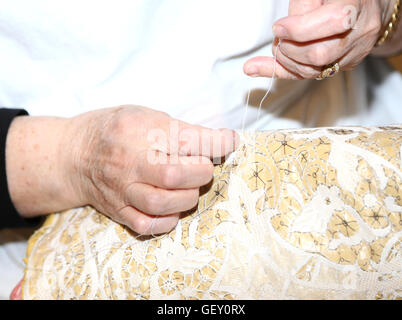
318, 33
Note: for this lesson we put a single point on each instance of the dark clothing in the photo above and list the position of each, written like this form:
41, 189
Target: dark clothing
9, 217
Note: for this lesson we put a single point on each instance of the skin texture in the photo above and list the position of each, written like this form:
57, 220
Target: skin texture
138, 166
99, 158
319, 32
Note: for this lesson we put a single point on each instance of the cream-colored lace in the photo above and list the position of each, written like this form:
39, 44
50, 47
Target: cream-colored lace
311, 214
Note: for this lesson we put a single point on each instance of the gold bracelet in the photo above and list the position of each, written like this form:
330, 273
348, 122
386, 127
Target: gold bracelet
391, 25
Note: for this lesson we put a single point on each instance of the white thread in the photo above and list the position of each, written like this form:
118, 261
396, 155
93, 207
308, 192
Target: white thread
152, 226
271, 81
266, 94
245, 111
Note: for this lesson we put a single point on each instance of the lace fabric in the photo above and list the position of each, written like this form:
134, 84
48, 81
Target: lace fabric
293, 214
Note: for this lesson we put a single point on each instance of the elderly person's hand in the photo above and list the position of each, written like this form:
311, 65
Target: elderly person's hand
138, 166
319, 33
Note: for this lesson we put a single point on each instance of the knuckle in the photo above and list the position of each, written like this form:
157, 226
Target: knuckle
375, 27
170, 176
109, 165
154, 203
318, 56
339, 16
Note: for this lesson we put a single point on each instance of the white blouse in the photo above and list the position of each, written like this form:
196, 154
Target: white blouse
186, 58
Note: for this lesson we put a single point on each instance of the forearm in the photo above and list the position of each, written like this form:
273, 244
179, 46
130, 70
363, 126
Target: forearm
36, 165
392, 46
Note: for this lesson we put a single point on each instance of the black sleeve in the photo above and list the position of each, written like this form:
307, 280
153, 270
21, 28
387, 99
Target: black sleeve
9, 217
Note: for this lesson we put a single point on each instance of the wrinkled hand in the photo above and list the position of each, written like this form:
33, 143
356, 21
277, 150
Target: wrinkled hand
143, 168
320, 32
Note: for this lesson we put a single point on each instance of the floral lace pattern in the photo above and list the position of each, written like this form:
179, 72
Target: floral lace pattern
307, 214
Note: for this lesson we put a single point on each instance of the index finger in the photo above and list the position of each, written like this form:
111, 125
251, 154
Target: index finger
330, 19
201, 141
184, 139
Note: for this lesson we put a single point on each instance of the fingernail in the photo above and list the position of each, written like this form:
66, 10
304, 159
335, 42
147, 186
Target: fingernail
279, 31
252, 71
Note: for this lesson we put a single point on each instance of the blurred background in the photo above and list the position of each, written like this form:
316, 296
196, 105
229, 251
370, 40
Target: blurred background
397, 62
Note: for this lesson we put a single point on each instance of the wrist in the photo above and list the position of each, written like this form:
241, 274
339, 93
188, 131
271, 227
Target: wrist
36, 165
75, 158
390, 36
